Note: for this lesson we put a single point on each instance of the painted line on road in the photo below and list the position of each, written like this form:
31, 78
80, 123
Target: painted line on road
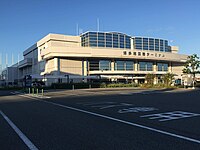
121, 121
28, 143
125, 122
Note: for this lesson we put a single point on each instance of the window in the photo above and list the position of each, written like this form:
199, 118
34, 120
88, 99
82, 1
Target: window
93, 65
101, 36
108, 37
149, 66
165, 67
142, 66
162, 67
121, 45
129, 65
108, 44
115, 45
120, 65
151, 44
101, 44
146, 66
104, 65
93, 43
115, 37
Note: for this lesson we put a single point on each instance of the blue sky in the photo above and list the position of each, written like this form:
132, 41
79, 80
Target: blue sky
24, 22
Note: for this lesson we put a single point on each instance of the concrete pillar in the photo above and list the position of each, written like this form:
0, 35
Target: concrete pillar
85, 67
136, 65
112, 65
57, 65
132, 45
170, 67
154, 67
84, 70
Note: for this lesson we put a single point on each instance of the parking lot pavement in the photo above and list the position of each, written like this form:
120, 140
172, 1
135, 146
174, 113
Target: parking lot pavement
108, 91
157, 120
9, 140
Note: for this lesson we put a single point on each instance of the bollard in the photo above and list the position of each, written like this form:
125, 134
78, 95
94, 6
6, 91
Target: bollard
42, 92
29, 90
33, 91
72, 87
37, 91
90, 86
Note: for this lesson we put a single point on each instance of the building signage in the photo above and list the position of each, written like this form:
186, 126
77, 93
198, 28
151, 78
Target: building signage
129, 53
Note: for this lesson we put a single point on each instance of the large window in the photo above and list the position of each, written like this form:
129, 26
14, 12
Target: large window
96, 65
101, 39
93, 65
145, 44
129, 65
119, 65
157, 45
162, 67
145, 66
124, 65
104, 65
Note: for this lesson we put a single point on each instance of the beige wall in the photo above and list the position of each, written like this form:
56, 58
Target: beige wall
71, 66
177, 69
49, 67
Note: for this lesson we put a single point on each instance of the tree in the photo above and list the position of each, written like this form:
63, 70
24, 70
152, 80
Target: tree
168, 78
150, 78
192, 65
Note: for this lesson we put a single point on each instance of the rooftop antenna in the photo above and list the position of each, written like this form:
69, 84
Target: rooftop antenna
12, 59
98, 24
77, 32
6, 60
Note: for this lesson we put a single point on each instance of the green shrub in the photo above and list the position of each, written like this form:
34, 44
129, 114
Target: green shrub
90, 85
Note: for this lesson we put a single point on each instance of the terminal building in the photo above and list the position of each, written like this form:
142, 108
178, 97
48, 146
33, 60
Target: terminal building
97, 56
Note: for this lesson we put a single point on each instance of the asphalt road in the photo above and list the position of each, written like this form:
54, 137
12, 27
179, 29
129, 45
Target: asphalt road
101, 120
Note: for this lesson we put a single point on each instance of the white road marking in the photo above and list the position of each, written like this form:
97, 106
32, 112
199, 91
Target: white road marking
111, 105
125, 122
171, 115
28, 143
136, 109
122, 121
95, 103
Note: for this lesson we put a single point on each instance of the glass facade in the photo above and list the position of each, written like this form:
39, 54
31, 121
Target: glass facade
145, 66
103, 39
123, 41
96, 65
104, 65
124, 65
162, 67
93, 65
141, 43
